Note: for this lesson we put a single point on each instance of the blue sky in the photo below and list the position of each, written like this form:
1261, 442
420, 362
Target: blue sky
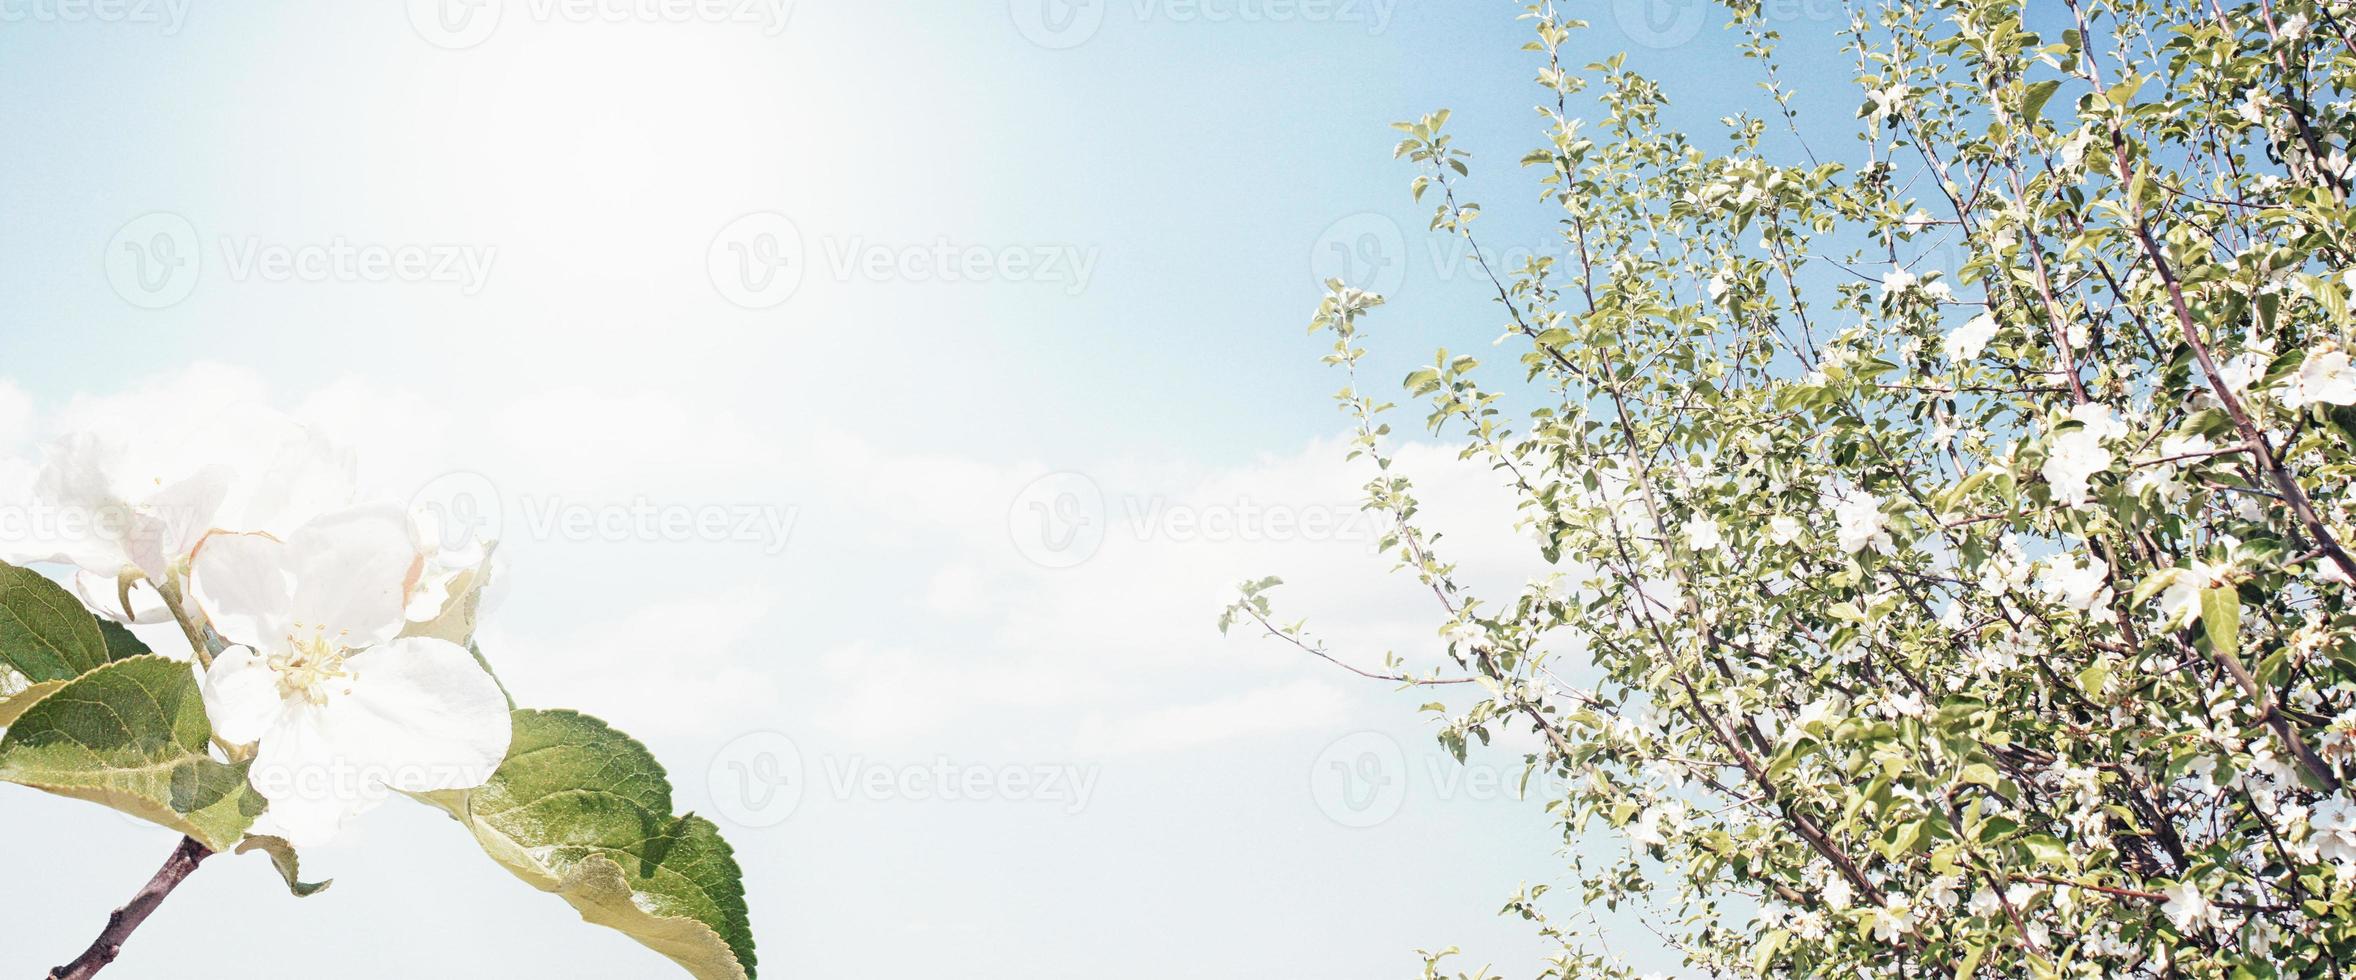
1180, 172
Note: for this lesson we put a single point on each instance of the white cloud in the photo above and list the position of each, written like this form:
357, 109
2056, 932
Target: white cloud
1308, 704
1116, 654
1120, 652
654, 667
16, 415
583, 440
878, 693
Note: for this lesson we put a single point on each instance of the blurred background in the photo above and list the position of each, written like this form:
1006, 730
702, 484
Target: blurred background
876, 401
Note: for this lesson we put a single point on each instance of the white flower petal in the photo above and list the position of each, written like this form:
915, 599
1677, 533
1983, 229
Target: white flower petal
300, 477
426, 712
241, 583
240, 694
172, 521
80, 471
313, 787
309, 821
352, 572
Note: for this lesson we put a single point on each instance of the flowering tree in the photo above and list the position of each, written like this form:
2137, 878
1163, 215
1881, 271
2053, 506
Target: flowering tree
330, 665
1952, 528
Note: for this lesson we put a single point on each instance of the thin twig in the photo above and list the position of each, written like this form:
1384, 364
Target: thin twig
122, 921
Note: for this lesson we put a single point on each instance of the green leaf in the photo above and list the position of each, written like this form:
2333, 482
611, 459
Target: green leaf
121, 644
282, 857
16, 704
2034, 104
132, 735
584, 811
1982, 774
1970, 963
2221, 617
2093, 679
2047, 849
45, 634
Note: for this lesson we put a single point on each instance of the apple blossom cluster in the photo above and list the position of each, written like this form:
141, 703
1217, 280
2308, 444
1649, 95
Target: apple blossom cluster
309, 610
324, 662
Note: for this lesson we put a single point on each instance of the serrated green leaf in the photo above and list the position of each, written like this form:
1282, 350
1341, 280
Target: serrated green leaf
18, 703
584, 811
45, 634
132, 735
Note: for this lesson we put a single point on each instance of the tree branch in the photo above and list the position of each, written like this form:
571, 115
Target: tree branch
122, 921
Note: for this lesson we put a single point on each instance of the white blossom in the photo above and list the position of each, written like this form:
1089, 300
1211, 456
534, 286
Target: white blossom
345, 711
2322, 379
1894, 919
2186, 906
1837, 893
2332, 824
2077, 583
2074, 455
1965, 343
1862, 524
1701, 534
2180, 602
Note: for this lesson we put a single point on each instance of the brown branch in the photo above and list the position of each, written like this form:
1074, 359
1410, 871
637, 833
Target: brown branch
1320, 654
122, 921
